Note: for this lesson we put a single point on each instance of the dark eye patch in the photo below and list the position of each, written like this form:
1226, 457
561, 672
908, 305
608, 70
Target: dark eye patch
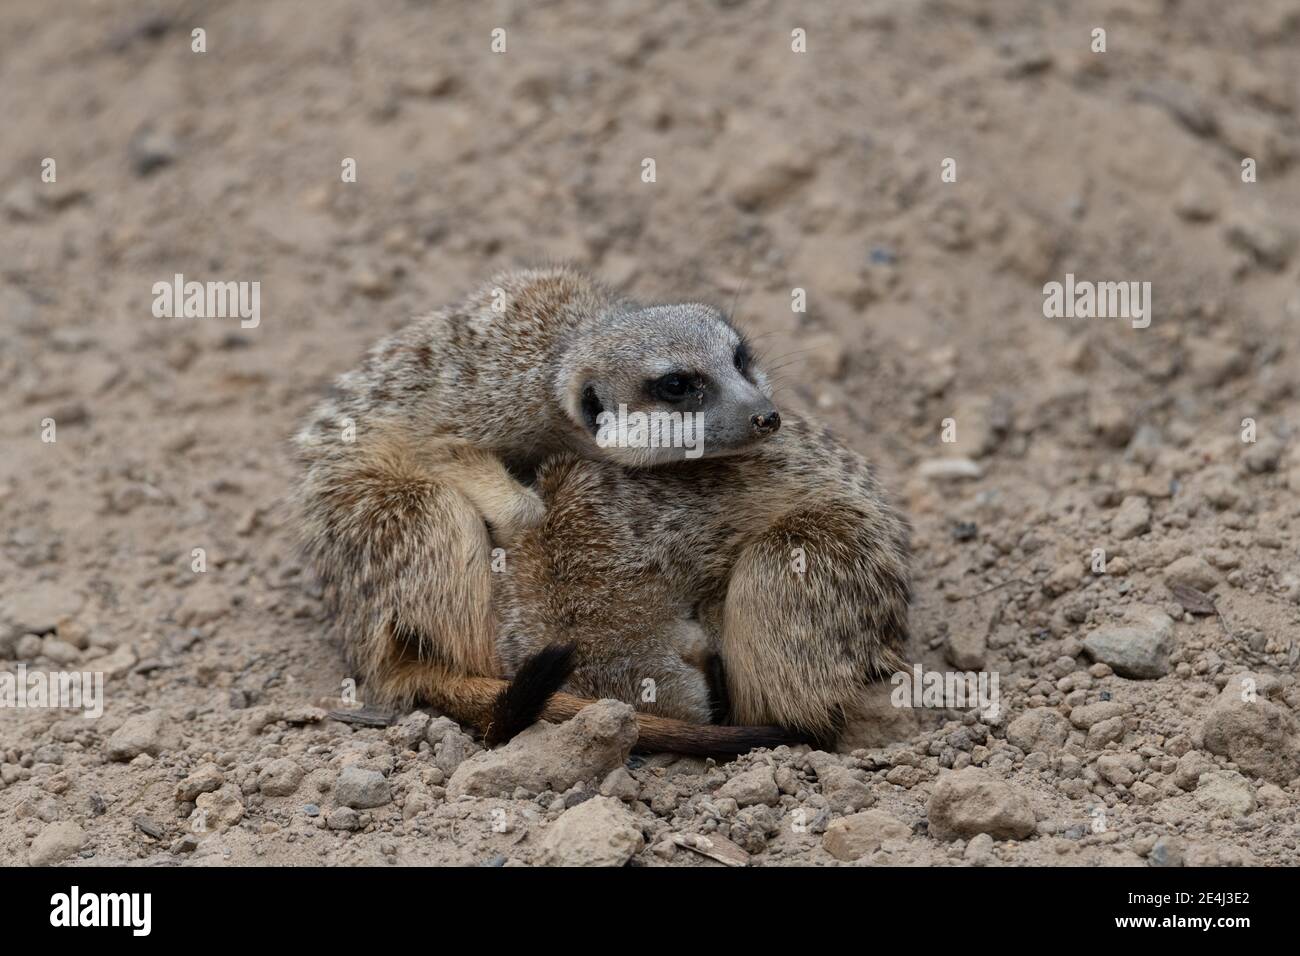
591, 407
673, 387
743, 358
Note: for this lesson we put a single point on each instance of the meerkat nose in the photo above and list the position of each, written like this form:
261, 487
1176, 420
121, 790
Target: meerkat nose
767, 423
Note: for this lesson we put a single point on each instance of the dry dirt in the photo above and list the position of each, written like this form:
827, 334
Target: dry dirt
775, 170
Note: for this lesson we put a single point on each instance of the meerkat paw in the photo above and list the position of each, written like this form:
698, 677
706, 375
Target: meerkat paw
531, 510
509, 508
525, 512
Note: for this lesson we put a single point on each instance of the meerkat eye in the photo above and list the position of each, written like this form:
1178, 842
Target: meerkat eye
743, 358
671, 388
591, 407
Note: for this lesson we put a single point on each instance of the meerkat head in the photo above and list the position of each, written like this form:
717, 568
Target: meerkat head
644, 386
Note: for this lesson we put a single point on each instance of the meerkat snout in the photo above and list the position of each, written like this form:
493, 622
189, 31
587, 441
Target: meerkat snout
766, 424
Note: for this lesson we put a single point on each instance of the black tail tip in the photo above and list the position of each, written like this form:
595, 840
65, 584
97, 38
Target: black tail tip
520, 705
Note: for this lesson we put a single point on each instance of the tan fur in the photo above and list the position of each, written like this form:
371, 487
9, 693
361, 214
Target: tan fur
400, 522
406, 486
393, 526
508, 507
637, 566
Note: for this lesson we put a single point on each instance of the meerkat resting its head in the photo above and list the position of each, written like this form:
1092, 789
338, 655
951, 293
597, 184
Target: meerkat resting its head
784, 564
410, 470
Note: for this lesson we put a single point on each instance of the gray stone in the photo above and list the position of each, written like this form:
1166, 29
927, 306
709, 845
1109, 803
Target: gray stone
61, 652
205, 779
552, 756
1264, 455
853, 837
1256, 734
38, 609
362, 789
971, 801
1191, 767
1104, 732
1192, 572
1085, 716
597, 832
186, 844
218, 810
967, 648
57, 842
1132, 519
28, 647
1225, 793
754, 786
1039, 729
979, 851
343, 818
1140, 652
620, 784
117, 663
280, 778
1119, 769
844, 789
1168, 851
149, 733
452, 749
407, 733
439, 726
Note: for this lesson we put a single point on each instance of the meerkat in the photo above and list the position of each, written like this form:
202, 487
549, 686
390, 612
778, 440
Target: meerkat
785, 562
411, 470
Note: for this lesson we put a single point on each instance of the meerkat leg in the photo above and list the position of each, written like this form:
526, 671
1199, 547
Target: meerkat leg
815, 610
405, 558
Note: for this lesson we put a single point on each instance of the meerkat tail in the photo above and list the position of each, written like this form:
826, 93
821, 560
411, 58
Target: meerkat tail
656, 734
533, 695
521, 703
466, 699
502, 710
666, 735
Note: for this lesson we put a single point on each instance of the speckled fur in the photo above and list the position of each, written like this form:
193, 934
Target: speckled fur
400, 522
636, 565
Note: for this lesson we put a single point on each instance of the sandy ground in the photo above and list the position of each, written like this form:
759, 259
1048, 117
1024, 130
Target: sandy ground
775, 170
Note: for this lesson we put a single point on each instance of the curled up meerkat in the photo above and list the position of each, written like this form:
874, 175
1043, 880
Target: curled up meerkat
409, 469
783, 563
